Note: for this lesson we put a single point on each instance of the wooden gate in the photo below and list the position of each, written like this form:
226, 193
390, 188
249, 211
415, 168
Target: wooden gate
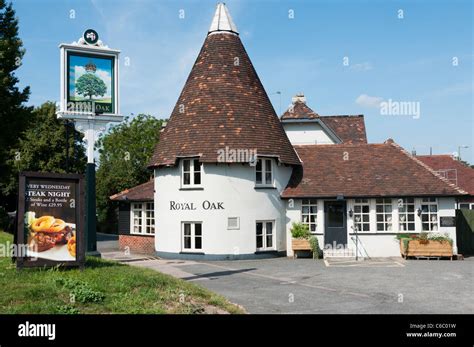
465, 231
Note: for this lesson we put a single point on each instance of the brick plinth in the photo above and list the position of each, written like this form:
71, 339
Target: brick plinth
137, 243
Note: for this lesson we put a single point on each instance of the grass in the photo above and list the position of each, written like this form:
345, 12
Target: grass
103, 287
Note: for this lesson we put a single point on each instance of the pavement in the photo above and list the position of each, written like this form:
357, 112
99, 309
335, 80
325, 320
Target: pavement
284, 285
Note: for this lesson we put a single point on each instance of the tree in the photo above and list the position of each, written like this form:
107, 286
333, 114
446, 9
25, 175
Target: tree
14, 115
43, 146
90, 85
124, 154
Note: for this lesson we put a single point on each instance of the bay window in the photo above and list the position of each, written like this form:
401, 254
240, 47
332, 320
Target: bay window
309, 210
429, 214
383, 212
362, 215
406, 214
142, 218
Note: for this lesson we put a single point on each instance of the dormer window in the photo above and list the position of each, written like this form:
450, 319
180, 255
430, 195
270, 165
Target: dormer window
191, 174
264, 172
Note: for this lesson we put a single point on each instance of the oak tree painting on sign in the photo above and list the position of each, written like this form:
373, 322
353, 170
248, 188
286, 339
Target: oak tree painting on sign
90, 82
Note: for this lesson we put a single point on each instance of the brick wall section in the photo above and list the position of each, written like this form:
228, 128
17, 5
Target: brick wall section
138, 243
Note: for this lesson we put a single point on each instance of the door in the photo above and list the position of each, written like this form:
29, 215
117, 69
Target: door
335, 231
265, 235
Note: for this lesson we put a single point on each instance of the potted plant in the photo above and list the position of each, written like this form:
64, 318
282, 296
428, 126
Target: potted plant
425, 245
302, 240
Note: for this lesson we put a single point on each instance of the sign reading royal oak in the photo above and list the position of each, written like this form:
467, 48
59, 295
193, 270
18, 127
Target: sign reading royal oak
191, 206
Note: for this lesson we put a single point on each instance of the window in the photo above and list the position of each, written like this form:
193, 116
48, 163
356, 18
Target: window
383, 211
143, 218
309, 210
466, 206
263, 172
406, 214
429, 214
191, 172
362, 215
264, 232
192, 236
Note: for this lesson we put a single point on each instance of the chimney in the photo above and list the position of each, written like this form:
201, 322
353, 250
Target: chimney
298, 98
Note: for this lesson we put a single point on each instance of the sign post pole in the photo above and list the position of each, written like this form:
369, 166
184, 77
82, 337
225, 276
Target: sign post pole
90, 98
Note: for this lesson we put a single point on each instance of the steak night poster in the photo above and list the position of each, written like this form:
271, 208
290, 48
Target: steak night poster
50, 219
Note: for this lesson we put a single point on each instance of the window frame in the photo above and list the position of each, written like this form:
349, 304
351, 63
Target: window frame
264, 162
310, 203
385, 215
192, 173
361, 203
265, 247
406, 223
193, 237
429, 202
143, 218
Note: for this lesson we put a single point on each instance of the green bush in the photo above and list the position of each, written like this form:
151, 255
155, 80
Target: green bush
300, 231
317, 251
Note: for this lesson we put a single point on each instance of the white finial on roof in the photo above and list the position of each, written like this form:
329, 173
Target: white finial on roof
222, 21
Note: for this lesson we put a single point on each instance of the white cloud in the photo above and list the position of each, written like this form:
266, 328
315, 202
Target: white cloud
369, 101
361, 66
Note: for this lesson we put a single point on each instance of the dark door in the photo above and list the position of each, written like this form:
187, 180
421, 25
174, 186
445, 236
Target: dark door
335, 231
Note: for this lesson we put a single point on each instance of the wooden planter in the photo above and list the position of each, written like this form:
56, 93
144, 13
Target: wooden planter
430, 249
300, 245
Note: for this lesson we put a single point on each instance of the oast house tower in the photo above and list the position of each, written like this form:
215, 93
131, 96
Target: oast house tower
223, 158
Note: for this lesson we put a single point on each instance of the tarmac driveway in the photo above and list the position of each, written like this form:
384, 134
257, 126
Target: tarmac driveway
284, 285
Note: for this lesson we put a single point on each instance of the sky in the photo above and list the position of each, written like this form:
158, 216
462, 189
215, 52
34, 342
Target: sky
414, 59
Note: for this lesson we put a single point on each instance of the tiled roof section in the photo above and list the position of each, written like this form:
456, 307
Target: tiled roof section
363, 170
350, 129
142, 192
452, 169
299, 110
223, 103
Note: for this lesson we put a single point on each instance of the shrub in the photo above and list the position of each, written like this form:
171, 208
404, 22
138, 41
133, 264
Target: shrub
317, 252
300, 231
81, 291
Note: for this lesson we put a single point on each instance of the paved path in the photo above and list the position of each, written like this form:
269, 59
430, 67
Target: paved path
284, 285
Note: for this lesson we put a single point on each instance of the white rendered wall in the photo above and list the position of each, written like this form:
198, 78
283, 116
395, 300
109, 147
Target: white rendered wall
373, 243
306, 134
234, 186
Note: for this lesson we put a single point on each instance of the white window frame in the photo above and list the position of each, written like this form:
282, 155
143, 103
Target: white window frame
432, 225
192, 171
193, 237
470, 205
405, 214
264, 170
306, 216
361, 203
142, 227
386, 216
264, 235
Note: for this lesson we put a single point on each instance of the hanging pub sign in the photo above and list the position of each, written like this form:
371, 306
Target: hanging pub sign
89, 78
51, 219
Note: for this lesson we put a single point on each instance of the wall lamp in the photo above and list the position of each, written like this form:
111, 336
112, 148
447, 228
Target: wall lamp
351, 213
418, 212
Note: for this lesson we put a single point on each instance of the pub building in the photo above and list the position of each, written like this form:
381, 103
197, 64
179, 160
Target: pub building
230, 176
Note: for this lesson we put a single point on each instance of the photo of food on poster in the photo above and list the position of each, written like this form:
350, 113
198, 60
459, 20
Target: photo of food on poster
50, 219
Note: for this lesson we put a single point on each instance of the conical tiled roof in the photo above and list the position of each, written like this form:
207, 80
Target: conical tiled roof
223, 103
